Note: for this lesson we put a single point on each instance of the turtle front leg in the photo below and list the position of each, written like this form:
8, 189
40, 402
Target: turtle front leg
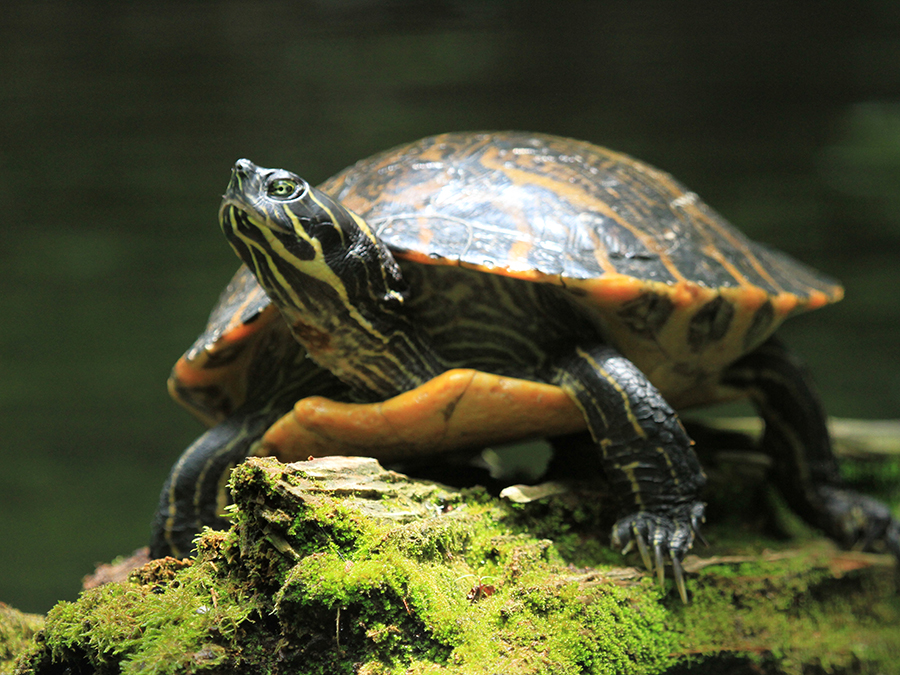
194, 495
796, 437
646, 454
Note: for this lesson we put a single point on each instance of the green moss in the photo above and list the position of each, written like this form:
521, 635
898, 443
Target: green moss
173, 626
383, 577
577, 522
802, 609
578, 627
17, 630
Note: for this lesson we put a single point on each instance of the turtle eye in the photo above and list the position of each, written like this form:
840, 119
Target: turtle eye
284, 189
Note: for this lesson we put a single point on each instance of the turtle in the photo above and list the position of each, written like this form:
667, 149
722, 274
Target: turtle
546, 261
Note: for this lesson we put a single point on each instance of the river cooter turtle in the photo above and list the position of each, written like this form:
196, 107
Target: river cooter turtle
525, 258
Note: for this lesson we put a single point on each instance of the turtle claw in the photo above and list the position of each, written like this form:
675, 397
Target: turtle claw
678, 573
671, 533
642, 547
858, 522
660, 564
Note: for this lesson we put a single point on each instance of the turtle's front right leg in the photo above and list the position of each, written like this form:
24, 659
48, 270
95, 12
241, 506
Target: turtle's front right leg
195, 493
646, 454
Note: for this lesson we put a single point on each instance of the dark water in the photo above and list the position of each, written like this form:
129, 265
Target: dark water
120, 122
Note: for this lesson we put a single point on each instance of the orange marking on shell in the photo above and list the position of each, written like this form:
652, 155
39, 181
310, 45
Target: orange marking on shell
700, 217
187, 375
459, 409
749, 298
612, 289
784, 303
818, 299
422, 258
588, 203
609, 289
519, 250
688, 294
525, 274
239, 332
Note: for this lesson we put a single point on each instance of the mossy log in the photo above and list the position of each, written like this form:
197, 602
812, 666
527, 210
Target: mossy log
338, 566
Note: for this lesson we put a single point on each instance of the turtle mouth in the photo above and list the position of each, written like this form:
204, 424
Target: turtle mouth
237, 215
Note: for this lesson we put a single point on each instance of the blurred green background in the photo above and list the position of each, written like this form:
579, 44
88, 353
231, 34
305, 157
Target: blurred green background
119, 123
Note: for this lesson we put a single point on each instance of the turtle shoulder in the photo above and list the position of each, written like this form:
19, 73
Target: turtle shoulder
211, 378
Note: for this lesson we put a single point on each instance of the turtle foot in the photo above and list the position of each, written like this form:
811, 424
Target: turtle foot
859, 522
668, 532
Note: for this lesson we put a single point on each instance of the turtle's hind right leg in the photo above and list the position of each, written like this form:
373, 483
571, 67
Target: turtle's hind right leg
796, 437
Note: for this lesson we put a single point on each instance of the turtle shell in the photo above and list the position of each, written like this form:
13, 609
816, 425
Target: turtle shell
562, 211
675, 287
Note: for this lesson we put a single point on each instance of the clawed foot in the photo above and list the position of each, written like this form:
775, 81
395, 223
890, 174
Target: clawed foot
669, 532
859, 522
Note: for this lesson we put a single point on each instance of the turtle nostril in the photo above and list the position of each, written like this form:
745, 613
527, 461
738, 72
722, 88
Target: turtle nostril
244, 167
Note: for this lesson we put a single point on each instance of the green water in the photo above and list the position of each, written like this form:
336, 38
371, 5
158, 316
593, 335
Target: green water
120, 122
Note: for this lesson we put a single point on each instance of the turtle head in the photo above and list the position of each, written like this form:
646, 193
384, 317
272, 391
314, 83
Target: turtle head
304, 246
275, 220
336, 284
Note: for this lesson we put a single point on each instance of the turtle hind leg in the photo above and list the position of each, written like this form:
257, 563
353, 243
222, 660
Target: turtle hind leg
645, 452
796, 437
